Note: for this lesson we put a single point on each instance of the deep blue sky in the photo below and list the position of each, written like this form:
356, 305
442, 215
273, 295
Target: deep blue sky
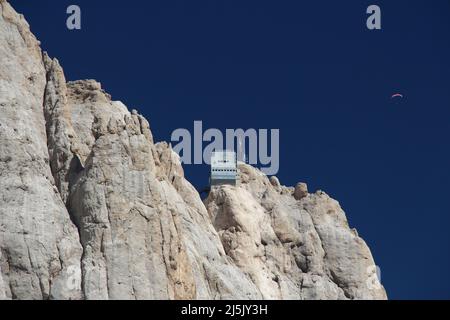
311, 69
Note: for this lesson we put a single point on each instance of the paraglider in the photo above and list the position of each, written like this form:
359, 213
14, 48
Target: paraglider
397, 95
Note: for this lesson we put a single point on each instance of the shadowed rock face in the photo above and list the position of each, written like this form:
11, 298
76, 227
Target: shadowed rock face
92, 208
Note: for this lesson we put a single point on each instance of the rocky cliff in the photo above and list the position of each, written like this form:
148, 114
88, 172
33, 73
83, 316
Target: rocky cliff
92, 208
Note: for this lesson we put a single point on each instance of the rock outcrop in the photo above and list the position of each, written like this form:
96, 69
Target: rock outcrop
92, 208
294, 245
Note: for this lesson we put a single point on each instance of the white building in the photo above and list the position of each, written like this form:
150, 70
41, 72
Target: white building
223, 168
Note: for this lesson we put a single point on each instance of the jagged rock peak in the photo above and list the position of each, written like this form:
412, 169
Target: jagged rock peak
294, 245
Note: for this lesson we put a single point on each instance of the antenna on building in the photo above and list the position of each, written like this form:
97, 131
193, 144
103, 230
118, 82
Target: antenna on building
241, 152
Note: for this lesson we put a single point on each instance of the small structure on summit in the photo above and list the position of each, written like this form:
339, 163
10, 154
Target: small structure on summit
224, 169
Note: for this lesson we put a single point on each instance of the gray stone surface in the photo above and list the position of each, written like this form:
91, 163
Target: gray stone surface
292, 247
39, 245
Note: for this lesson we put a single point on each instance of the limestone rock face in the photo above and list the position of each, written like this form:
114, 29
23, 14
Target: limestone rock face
144, 230
92, 208
294, 245
40, 250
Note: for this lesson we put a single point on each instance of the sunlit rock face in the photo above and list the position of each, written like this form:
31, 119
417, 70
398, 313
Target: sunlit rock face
92, 208
40, 248
292, 246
